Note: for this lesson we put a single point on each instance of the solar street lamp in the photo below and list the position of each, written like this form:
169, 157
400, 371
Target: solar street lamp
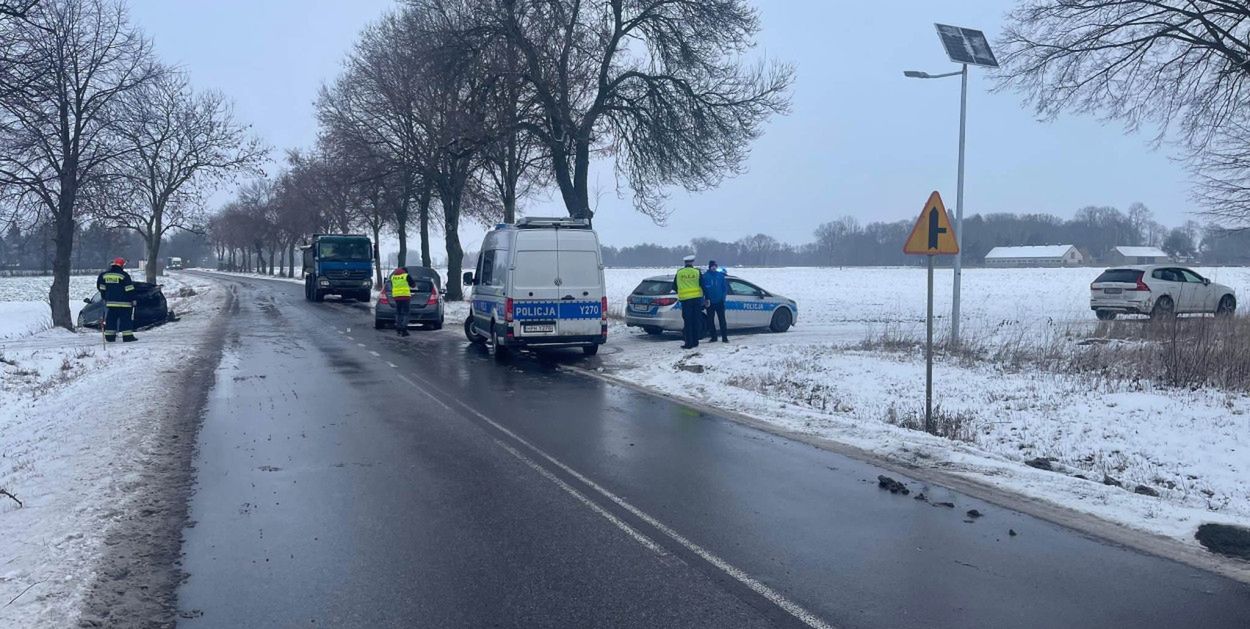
966, 47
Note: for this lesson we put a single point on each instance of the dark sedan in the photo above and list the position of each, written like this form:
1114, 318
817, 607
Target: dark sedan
151, 308
427, 300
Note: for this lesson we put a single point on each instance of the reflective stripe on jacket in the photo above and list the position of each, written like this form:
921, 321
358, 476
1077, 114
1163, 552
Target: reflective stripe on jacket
400, 288
116, 288
688, 283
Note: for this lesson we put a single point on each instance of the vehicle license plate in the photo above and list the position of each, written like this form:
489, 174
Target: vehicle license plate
1112, 291
640, 307
538, 328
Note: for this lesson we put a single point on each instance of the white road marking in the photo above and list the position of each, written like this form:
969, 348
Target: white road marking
773, 596
620, 524
375, 354
393, 366
360, 344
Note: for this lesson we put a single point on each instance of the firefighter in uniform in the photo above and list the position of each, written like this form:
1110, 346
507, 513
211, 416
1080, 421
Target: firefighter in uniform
688, 284
401, 294
119, 300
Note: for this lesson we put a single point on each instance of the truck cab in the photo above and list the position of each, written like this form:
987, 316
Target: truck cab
338, 264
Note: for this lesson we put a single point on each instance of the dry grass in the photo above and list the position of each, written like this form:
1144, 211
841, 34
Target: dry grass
1185, 352
945, 424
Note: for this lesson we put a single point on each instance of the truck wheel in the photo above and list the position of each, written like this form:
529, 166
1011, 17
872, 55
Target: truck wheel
307, 290
318, 296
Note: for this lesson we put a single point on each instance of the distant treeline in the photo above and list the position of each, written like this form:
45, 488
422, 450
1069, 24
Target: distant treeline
94, 246
846, 242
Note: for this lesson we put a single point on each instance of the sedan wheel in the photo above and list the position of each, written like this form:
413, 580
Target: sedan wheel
1164, 309
781, 320
1228, 306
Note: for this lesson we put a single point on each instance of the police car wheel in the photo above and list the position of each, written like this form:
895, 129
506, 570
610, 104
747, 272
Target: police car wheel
653, 331
781, 321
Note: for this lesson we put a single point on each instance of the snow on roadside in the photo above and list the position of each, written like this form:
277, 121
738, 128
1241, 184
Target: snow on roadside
1192, 447
276, 278
75, 421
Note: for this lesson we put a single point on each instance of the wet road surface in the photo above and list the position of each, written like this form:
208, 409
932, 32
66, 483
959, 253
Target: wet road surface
347, 477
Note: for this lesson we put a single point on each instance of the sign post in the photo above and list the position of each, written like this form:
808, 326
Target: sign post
932, 236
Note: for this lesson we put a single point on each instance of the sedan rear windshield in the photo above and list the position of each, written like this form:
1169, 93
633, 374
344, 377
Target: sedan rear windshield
1125, 276
654, 287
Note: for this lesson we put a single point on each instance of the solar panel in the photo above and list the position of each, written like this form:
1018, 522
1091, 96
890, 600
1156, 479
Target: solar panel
966, 45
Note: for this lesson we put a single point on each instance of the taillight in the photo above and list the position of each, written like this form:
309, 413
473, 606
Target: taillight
507, 310
666, 301
382, 297
603, 309
1141, 286
433, 300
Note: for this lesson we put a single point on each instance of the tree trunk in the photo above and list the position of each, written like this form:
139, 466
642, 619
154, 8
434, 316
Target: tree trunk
423, 212
153, 242
58, 295
581, 181
377, 256
291, 259
455, 254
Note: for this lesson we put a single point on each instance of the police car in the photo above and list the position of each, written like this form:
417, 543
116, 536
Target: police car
538, 283
653, 306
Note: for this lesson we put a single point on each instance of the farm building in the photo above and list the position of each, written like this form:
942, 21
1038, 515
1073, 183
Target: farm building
1137, 255
1035, 255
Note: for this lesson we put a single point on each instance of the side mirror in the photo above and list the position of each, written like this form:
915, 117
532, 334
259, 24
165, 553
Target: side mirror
1206, 282
86, 300
468, 278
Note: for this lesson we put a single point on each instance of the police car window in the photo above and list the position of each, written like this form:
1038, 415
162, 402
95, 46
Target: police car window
742, 288
486, 269
579, 269
535, 269
500, 271
654, 287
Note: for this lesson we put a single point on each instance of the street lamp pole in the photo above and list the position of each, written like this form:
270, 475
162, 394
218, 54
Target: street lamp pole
959, 206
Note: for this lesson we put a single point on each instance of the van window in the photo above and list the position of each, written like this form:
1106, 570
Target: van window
499, 274
486, 268
534, 269
579, 269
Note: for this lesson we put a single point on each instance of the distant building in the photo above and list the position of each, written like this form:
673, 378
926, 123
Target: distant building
1138, 255
1037, 255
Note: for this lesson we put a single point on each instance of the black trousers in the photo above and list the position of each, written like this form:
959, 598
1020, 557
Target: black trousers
402, 309
118, 320
692, 320
716, 311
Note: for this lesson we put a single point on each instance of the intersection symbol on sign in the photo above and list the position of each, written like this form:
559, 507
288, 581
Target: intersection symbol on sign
933, 234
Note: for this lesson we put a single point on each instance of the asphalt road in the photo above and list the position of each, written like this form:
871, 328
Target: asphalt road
347, 477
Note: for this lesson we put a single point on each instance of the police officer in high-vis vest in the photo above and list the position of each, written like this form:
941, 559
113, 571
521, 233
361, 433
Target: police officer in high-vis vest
401, 296
689, 286
119, 300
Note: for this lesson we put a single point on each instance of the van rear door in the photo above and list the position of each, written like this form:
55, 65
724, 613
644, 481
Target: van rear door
580, 282
535, 289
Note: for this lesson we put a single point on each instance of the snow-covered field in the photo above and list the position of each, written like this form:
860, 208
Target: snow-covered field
1189, 446
74, 430
24, 303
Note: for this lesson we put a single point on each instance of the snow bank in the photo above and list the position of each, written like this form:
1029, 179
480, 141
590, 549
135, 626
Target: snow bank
75, 422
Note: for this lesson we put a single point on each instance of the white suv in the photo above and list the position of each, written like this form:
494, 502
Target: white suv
1158, 291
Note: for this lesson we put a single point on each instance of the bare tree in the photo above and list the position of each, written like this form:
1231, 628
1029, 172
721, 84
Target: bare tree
657, 84
1180, 66
181, 146
67, 65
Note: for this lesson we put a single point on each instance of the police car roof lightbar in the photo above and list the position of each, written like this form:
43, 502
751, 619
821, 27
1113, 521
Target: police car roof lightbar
538, 222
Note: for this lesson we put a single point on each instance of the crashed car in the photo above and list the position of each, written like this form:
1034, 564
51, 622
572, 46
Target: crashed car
151, 308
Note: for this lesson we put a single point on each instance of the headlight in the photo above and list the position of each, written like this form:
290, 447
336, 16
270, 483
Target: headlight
323, 281
366, 283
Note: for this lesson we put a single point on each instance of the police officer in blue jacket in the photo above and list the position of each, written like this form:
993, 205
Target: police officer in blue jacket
715, 289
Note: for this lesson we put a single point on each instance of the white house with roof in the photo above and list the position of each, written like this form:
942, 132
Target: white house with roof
1138, 255
1035, 255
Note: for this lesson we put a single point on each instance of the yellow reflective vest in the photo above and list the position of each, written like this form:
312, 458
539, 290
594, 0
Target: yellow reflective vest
688, 285
400, 289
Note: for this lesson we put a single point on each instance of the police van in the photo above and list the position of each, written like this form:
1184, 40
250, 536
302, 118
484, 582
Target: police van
538, 283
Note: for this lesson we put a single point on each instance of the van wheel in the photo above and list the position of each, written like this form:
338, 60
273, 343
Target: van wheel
1228, 305
1165, 308
497, 349
470, 334
1105, 315
781, 320
590, 350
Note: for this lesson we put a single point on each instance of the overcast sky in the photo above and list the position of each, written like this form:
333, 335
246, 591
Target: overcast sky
862, 140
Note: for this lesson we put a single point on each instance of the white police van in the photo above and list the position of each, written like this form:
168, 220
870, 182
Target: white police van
539, 283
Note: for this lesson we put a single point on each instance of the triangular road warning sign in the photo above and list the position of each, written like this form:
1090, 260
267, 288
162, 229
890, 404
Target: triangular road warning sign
933, 234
